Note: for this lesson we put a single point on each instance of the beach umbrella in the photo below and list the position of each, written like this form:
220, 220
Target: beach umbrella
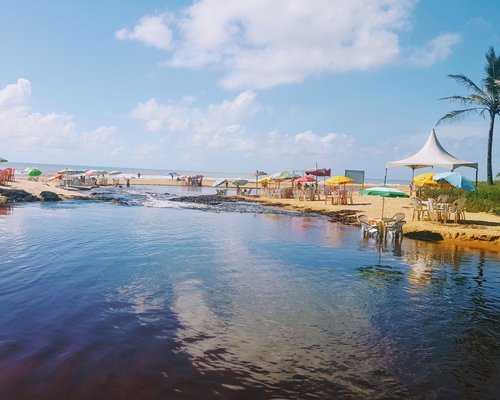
257, 174
91, 172
319, 172
457, 180
305, 179
33, 171
425, 179
240, 181
282, 175
339, 180
172, 174
3, 160
218, 182
71, 171
383, 191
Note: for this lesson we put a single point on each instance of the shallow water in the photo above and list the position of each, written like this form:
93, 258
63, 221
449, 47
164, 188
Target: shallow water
168, 300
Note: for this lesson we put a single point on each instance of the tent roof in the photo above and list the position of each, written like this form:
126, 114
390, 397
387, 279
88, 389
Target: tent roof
432, 154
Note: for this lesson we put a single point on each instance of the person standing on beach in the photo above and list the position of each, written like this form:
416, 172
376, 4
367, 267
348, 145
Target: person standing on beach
138, 175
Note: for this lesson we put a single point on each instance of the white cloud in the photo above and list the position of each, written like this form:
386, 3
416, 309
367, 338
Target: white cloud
260, 43
308, 145
480, 23
25, 130
217, 125
437, 49
219, 134
15, 93
150, 30
101, 138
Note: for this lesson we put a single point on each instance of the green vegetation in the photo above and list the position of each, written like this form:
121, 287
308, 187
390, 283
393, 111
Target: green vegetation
481, 101
486, 199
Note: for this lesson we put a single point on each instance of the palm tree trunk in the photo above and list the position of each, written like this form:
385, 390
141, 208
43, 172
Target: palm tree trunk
490, 146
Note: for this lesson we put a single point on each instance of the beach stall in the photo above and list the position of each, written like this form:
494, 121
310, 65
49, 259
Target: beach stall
432, 154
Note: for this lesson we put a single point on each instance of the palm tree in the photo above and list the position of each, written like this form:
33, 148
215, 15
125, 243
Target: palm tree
481, 101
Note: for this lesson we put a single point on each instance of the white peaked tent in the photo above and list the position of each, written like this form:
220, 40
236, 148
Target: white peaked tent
432, 154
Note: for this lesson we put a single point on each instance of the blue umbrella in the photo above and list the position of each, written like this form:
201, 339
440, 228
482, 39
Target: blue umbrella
457, 180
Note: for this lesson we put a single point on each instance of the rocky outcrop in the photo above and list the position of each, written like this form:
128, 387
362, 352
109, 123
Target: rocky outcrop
49, 196
17, 195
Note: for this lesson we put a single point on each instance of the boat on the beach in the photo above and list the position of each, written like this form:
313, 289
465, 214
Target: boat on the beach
77, 184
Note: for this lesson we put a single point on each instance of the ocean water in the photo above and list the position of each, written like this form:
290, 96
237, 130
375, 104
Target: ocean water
150, 298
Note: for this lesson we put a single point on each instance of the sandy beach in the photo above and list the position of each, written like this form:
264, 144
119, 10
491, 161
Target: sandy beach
479, 230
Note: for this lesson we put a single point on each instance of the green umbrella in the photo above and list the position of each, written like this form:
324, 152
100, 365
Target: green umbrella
3, 160
383, 191
34, 172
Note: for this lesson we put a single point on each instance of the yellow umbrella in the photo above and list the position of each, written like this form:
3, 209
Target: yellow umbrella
425, 179
265, 180
339, 180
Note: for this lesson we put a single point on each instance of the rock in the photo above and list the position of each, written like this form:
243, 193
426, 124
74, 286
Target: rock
212, 199
425, 235
49, 196
17, 195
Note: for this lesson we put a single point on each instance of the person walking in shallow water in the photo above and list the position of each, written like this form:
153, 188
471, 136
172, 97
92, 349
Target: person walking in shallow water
127, 180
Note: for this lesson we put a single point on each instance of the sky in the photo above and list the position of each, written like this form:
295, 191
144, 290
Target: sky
237, 85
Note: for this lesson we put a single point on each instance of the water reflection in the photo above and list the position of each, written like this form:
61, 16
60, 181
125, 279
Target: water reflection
185, 304
287, 342
6, 209
453, 300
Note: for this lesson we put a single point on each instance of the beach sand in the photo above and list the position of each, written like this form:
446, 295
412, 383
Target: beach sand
479, 230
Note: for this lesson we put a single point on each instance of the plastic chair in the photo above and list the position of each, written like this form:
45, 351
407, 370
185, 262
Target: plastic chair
367, 229
395, 229
418, 209
458, 209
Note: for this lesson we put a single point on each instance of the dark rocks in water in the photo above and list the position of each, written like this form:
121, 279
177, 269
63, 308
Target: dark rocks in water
427, 236
346, 217
49, 196
211, 199
113, 200
17, 195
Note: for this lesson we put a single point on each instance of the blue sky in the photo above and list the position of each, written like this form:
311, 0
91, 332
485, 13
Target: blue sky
236, 85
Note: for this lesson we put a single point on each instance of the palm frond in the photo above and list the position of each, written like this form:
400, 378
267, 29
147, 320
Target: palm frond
459, 114
462, 79
472, 99
492, 71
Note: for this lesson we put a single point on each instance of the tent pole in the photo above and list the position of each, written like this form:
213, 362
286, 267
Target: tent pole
383, 203
476, 177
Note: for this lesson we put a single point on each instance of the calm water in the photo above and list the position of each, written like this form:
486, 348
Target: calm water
160, 300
